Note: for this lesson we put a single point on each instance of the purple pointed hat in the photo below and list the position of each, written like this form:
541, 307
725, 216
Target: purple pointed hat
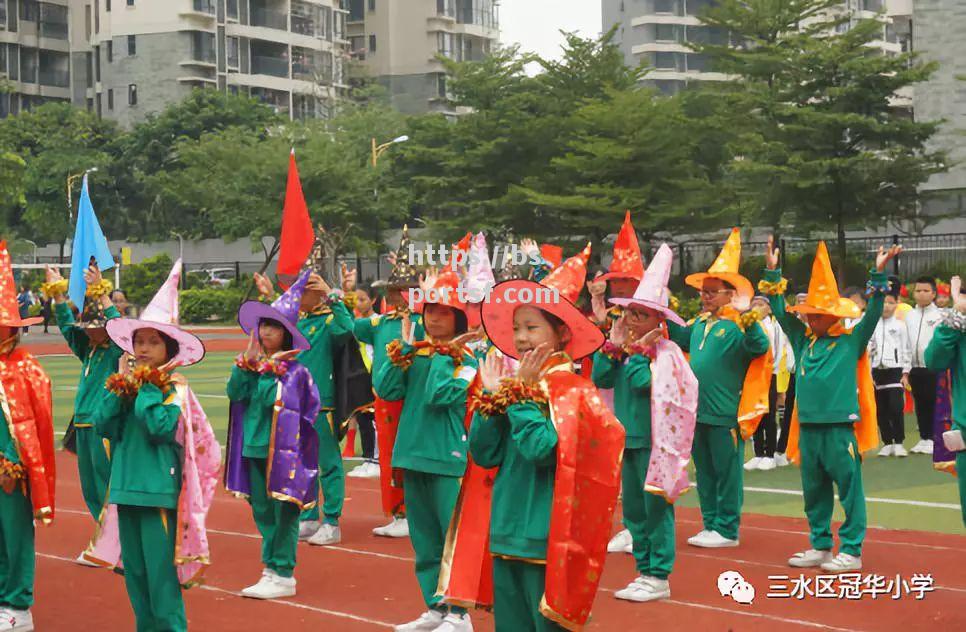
653, 293
285, 310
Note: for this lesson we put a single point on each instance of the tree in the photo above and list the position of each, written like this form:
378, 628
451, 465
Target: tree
12, 169
149, 156
55, 140
822, 140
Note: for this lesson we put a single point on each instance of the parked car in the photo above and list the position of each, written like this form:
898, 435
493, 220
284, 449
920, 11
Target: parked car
220, 276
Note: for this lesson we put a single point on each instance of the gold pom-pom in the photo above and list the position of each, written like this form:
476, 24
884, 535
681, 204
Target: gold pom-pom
749, 318
773, 288
394, 351
55, 289
97, 290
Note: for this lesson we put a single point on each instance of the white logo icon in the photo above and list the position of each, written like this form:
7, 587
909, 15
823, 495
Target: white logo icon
732, 584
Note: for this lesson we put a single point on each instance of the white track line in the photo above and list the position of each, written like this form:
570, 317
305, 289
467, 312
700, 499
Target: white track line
871, 499
290, 604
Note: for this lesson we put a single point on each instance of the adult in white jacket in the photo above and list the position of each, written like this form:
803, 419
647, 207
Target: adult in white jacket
921, 323
891, 359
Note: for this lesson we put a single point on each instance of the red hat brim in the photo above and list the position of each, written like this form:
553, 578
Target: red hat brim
610, 276
23, 322
497, 313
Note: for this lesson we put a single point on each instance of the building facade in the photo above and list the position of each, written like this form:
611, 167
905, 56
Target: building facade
398, 44
125, 59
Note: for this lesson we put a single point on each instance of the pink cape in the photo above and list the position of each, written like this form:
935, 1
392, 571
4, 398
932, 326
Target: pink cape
202, 461
674, 406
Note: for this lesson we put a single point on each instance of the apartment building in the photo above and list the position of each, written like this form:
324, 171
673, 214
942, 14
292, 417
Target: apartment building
125, 59
398, 43
656, 33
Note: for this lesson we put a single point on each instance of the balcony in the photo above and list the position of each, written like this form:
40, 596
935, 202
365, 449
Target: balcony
267, 18
271, 66
200, 8
53, 30
55, 78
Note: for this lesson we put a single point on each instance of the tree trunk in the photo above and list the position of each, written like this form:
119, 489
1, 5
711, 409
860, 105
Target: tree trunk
841, 248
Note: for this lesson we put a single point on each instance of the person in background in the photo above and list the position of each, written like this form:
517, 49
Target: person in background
365, 419
857, 296
921, 323
943, 300
24, 300
786, 400
947, 351
766, 436
119, 298
47, 312
891, 359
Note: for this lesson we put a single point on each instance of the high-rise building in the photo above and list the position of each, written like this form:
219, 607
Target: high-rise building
398, 43
940, 36
656, 33
125, 59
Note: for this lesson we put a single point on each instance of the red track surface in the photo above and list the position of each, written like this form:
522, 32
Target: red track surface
367, 583
218, 344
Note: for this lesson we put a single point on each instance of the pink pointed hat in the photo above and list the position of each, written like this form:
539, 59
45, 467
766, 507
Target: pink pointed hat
653, 293
161, 314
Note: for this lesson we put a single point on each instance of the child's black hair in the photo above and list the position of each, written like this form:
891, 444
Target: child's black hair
461, 324
928, 279
287, 342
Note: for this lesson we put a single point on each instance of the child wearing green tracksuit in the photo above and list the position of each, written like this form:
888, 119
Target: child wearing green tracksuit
720, 354
829, 375
947, 351
328, 324
145, 485
433, 377
88, 340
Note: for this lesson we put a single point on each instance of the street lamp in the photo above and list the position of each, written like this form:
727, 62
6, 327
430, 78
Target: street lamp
70, 186
35, 248
378, 150
180, 244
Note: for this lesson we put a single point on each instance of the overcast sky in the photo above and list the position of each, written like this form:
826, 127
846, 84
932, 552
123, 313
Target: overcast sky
536, 24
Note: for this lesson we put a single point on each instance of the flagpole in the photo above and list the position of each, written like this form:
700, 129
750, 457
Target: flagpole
268, 261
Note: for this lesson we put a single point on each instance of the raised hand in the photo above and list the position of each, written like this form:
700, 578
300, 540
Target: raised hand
532, 362
170, 366
492, 371
955, 292
407, 329
53, 275
597, 288
92, 275
618, 332
284, 356
124, 365
349, 278
529, 246
317, 284
647, 340
772, 254
883, 257
254, 347
264, 285
468, 337
427, 280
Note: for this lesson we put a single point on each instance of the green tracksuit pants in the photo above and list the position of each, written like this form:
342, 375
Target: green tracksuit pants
331, 474
517, 590
16, 550
649, 517
93, 467
718, 453
277, 522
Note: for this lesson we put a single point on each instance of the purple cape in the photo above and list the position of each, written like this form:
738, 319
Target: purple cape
293, 453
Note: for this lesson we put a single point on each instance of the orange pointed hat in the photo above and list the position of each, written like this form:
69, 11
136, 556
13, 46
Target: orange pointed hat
823, 291
725, 268
556, 295
9, 308
627, 262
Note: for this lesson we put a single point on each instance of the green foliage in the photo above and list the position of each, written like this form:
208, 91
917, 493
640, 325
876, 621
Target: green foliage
141, 281
202, 305
12, 169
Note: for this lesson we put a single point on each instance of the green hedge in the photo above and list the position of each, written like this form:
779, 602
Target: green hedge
202, 305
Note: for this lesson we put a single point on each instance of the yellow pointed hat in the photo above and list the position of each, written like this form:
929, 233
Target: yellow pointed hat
725, 268
823, 291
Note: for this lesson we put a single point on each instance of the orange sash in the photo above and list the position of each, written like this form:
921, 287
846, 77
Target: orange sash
866, 428
27, 403
753, 404
390, 480
590, 448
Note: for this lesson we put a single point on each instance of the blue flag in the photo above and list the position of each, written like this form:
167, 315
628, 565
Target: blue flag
89, 241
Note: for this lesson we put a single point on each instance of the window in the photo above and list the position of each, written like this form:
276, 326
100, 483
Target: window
87, 22
441, 86
132, 89
372, 43
372, 5
110, 51
231, 51
666, 32
130, 3
132, 45
232, 6
110, 98
107, 5
29, 10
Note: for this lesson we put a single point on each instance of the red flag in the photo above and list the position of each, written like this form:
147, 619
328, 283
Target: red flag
553, 254
297, 233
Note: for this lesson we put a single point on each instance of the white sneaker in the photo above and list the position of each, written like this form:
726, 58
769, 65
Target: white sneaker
327, 534
271, 586
810, 558
927, 449
645, 589
898, 450
308, 528
398, 528
698, 537
83, 561
366, 470
752, 464
16, 620
620, 542
429, 620
843, 562
767, 463
887, 450
922, 447
713, 540
456, 623
781, 460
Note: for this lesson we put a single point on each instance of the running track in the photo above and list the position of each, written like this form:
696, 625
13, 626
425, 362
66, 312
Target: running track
367, 583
